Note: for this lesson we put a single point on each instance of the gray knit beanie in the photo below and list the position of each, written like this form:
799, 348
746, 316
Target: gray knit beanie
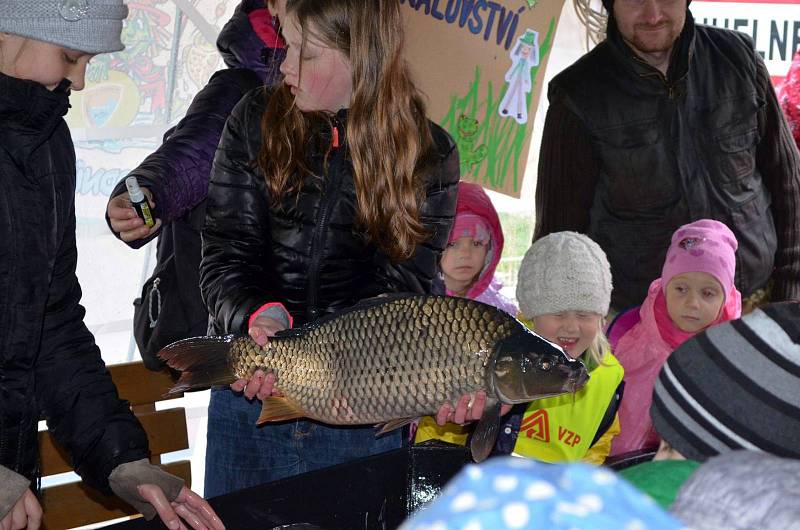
89, 26
564, 271
742, 490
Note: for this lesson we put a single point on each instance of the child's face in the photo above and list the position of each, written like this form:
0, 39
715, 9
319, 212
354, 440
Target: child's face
325, 82
574, 331
462, 262
694, 300
42, 62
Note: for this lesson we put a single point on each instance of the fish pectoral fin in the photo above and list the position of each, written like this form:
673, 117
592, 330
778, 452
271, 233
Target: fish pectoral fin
278, 409
392, 425
485, 434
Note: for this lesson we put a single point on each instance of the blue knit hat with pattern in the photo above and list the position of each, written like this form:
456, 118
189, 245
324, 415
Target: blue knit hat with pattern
509, 492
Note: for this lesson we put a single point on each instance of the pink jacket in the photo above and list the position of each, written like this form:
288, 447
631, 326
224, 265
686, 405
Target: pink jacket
492, 296
472, 199
642, 351
789, 98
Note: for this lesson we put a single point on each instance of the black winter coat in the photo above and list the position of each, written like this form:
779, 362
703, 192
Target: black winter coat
49, 363
307, 254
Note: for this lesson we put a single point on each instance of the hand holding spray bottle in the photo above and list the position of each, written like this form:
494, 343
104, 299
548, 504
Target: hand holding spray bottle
139, 201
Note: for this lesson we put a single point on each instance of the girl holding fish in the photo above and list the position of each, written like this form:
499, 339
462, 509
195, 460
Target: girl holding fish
326, 190
564, 292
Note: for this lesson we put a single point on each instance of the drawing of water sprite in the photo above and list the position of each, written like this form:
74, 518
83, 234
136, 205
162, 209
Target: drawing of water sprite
524, 57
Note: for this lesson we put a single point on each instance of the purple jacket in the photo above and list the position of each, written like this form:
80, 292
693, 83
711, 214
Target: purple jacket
177, 172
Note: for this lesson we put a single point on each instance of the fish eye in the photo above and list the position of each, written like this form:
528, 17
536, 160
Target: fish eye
545, 364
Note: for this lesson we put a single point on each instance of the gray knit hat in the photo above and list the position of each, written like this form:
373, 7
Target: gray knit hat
564, 271
90, 26
734, 386
742, 490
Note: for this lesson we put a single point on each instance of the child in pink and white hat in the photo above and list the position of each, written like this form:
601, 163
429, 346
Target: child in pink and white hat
696, 291
473, 250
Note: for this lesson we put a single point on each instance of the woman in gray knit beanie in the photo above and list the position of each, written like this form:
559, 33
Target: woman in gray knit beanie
49, 362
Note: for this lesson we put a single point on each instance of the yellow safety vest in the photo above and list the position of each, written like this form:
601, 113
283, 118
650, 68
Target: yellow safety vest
561, 428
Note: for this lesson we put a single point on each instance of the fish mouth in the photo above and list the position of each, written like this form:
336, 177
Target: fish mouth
577, 383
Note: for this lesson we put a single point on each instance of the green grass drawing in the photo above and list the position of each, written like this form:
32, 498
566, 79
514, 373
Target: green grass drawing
504, 137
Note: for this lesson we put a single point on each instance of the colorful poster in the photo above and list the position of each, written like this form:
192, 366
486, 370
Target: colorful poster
131, 98
481, 64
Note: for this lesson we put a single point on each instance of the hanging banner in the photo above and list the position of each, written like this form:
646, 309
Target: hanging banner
774, 26
481, 65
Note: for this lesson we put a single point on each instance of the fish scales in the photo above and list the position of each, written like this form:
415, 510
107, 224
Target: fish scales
369, 366
390, 359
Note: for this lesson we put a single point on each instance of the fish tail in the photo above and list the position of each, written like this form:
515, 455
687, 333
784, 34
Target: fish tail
202, 361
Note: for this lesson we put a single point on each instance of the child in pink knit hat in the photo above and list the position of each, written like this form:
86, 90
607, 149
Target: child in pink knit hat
473, 250
696, 290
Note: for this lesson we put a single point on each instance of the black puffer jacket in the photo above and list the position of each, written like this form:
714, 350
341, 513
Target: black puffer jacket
49, 363
306, 255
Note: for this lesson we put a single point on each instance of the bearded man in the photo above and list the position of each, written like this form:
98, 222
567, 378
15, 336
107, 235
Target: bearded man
663, 123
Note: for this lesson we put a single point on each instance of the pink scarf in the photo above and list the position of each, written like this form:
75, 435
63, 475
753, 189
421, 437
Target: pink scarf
674, 336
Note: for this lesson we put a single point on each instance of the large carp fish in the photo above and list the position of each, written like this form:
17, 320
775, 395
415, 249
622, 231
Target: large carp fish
389, 360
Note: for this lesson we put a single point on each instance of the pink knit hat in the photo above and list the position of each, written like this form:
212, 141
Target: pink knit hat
702, 246
470, 225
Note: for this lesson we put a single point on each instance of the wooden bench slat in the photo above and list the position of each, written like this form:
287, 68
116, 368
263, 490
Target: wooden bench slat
74, 504
166, 432
139, 385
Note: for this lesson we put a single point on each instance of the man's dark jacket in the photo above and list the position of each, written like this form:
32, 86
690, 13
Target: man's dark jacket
49, 363
641, 154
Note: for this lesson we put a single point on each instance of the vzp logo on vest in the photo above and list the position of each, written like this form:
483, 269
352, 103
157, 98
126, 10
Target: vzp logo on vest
537, 426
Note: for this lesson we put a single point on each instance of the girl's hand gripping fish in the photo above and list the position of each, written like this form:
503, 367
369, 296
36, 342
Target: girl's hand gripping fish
389, 360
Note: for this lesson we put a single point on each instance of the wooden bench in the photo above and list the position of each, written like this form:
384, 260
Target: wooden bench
74, 504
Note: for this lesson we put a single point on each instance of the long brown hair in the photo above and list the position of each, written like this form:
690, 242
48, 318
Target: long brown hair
388, 137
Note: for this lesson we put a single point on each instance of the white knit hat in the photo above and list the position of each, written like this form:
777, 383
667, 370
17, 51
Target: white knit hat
564, 271
90, 26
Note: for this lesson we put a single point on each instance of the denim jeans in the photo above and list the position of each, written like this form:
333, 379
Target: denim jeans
240, 454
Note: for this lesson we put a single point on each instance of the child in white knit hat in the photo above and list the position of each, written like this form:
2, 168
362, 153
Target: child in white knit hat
49, 362
564, 291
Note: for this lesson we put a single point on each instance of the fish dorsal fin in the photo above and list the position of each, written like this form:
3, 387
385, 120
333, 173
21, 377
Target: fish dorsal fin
392, 425
278, 409
361, 305
485, 434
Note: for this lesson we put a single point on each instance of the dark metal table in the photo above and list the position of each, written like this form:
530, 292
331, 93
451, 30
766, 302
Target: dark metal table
375, 493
